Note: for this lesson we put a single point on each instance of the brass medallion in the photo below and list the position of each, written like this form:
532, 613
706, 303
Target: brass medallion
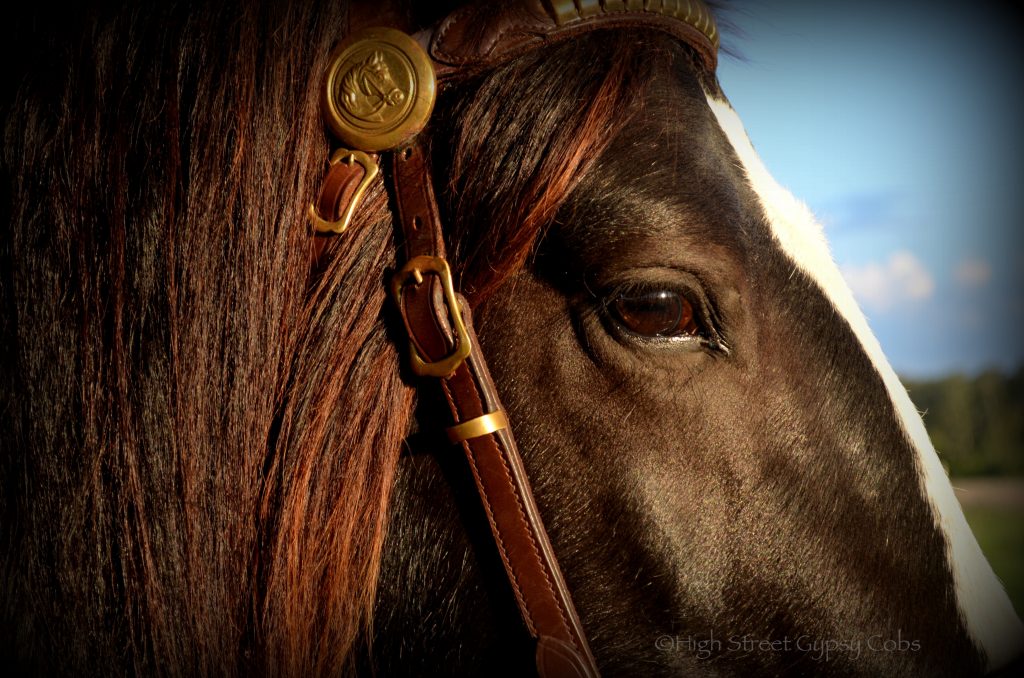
379, 91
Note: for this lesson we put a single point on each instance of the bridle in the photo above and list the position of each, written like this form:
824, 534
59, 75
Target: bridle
378, 96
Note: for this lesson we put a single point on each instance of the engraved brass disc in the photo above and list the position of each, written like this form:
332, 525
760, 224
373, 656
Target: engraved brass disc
379, 91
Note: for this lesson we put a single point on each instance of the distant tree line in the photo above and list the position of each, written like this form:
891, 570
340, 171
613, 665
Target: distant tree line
976, 424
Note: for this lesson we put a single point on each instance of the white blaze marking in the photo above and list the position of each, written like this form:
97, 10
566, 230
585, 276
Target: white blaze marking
987, 612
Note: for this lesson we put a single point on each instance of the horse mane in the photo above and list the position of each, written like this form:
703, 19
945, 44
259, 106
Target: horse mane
201, 420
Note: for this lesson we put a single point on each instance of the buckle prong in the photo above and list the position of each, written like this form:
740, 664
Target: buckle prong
370, 171
412, 274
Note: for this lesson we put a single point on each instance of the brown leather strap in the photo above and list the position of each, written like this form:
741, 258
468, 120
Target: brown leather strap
542, 595
544, 599
424, 311
483, 34
417, 207
338, 188
439, 324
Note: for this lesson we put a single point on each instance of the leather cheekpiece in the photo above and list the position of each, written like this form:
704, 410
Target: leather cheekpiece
474, 38
541, 593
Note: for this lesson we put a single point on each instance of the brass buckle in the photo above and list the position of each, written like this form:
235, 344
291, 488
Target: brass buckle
370, 170
412, 274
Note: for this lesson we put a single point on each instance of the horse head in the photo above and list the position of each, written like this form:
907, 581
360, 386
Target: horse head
220, 460
369, 87
731, 472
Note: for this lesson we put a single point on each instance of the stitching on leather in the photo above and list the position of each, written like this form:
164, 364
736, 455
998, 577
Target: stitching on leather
653, 21
548, 577
443, 32
518, 26
531, 625
536, 549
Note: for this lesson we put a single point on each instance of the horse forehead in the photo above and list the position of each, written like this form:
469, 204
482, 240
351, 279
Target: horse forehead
670, 175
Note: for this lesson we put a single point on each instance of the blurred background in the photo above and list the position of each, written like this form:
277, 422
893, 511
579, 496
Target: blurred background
900, 125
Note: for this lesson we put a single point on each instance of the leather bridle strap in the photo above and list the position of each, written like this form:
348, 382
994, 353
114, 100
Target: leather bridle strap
392, 76
481, 428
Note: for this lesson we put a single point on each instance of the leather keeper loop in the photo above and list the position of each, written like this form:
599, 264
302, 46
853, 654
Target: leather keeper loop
478, 426
350, 176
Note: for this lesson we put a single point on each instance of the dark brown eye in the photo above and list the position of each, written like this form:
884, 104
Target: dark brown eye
655, 314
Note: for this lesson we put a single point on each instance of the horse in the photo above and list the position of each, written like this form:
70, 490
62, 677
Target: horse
217, 460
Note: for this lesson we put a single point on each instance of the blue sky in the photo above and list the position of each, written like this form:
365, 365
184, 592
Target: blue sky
900, 126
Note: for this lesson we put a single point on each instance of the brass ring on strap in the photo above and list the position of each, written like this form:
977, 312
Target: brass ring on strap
478, 426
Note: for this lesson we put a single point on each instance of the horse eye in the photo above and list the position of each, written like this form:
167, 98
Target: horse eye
655, 314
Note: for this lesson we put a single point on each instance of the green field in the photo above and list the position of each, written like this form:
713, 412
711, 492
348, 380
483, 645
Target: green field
1000, 531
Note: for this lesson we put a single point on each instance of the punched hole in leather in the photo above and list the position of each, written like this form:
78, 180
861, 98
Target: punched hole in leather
425, 312
543, 598
474, 37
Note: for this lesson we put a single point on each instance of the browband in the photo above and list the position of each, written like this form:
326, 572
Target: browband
378, 96
483, 35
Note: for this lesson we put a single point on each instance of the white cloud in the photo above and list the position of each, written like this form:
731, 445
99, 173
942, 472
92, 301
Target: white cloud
973, 272
899, 280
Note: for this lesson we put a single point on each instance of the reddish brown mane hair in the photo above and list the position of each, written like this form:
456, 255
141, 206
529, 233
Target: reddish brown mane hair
200, 428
